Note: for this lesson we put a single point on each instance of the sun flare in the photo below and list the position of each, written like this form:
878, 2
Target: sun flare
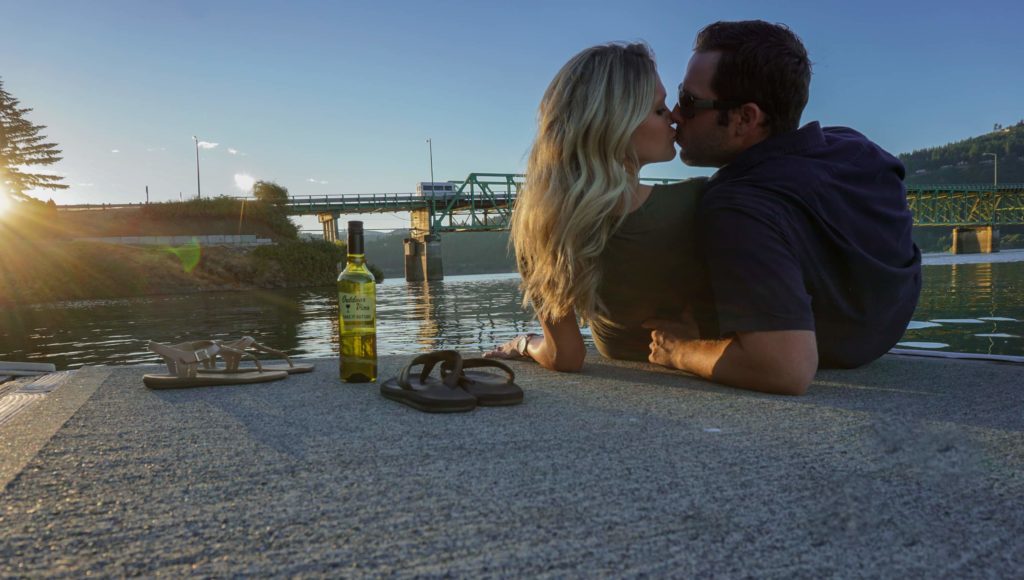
5, 203
244, 182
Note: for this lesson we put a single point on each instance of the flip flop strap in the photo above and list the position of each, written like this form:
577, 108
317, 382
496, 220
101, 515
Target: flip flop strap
472, 363
429, 360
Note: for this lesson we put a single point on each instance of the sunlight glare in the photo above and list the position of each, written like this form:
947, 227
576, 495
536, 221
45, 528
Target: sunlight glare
5, 202
244, 182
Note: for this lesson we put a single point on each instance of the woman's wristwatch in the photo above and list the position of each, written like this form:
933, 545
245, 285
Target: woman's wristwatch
523, 343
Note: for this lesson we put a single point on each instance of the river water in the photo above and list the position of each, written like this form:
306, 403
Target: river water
965, 307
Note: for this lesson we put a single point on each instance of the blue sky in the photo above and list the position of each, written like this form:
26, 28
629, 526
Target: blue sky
340, 97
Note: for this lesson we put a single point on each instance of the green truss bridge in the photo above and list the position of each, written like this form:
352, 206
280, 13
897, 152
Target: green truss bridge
966, 205
483, 202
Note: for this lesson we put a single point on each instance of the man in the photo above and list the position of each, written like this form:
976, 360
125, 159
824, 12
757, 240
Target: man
805, 231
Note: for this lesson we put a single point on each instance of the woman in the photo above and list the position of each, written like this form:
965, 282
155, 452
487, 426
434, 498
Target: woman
592, 243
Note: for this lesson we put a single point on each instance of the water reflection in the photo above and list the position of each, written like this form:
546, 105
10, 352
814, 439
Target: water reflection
468, 313
969, 308
462, 312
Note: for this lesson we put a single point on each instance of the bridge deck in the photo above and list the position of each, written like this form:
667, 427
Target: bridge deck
483, 201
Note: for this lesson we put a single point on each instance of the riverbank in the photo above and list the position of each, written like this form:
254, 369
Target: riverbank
907, 467
35, 272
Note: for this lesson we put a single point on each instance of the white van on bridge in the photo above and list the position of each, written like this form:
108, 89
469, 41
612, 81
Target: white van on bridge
437, 189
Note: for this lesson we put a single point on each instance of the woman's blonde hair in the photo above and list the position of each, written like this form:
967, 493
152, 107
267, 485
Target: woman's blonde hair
580, 178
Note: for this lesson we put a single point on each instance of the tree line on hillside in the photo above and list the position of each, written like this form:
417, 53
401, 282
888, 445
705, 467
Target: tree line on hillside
970, 161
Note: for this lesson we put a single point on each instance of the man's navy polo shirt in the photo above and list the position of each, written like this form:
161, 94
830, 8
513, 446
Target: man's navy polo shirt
810, 230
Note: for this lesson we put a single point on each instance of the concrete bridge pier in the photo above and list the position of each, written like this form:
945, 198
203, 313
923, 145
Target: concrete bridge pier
975, 240
329, 221
423, 258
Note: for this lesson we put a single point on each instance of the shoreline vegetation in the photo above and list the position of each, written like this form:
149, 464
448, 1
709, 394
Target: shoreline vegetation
41, 259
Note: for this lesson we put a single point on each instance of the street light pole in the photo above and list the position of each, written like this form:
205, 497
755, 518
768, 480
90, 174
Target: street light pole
995, 169
199, 187
430, 146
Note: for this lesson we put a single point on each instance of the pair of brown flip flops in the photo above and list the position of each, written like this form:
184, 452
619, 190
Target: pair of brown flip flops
458, 389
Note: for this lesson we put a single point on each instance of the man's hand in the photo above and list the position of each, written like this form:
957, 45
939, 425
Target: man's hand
781, 362
669, 338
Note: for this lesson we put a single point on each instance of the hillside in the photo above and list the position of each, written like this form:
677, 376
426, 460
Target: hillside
965, 161
40, 261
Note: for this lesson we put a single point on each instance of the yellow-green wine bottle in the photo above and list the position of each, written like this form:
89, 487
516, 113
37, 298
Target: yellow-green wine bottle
357, 313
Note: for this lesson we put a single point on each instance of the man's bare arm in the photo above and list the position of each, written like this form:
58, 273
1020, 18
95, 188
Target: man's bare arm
781, 361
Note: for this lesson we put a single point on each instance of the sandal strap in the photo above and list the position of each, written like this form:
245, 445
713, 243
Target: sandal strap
184, 362
194, 345
249, 342
233, 358
271, 351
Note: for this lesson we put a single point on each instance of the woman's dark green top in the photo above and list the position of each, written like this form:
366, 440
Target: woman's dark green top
649, 268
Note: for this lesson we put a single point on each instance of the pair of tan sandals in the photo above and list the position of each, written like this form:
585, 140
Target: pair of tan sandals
194, 364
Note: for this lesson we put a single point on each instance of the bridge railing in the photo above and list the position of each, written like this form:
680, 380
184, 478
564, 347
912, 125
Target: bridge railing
966, 205
483, 201
1002, 187
354, 203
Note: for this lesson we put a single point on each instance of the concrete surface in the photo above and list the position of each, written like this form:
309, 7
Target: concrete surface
907, 468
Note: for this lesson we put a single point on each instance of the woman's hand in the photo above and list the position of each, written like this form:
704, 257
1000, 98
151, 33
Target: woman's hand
515, 349
560, 348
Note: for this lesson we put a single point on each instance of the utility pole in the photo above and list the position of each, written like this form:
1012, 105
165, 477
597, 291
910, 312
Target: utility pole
430, 145
995, 169
199, 187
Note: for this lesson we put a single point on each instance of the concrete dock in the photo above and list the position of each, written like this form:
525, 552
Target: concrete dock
910, 467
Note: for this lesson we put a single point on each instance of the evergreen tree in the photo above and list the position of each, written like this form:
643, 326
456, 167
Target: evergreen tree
22, 147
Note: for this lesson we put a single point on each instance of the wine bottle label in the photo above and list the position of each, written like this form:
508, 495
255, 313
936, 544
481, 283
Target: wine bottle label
357, 307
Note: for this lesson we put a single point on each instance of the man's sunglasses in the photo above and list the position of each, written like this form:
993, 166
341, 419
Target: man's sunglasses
689, 104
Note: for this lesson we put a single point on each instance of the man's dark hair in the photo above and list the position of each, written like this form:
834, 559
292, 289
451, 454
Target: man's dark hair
762, 63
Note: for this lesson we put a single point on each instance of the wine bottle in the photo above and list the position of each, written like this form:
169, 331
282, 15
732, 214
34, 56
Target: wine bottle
357, 313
